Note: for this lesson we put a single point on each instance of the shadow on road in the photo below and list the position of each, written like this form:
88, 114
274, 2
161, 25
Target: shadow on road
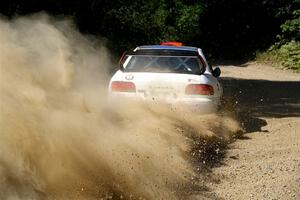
256, 99
250, 101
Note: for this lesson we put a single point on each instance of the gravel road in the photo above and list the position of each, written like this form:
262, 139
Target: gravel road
263, 163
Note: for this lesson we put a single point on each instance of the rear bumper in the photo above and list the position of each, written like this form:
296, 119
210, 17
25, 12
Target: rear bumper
201, 105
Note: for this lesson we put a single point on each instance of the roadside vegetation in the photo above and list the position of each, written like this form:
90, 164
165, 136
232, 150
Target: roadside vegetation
225, 29
286, 52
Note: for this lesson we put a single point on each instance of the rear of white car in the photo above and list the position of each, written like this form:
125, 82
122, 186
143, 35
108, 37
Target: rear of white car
179, 76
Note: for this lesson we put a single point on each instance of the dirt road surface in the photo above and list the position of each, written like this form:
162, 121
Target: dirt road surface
263, 163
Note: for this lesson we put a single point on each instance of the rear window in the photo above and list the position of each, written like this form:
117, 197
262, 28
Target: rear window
163, 64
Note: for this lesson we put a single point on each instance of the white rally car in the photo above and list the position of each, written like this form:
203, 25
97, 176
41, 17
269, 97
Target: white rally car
168, 73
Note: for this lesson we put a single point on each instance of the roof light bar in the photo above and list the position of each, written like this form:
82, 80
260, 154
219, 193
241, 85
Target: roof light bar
177, 44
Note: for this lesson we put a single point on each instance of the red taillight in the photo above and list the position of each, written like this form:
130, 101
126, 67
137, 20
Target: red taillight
177, 44
122, 86
200, 89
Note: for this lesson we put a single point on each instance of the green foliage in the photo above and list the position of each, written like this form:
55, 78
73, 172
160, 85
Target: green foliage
286, 52
230, 29
291, 28
151, 22
187, 21
289, 55
286, 56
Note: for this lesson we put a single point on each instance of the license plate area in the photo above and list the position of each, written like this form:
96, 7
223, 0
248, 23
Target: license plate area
162, 92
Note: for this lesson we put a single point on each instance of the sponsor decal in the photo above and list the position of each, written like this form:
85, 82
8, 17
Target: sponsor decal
129, 77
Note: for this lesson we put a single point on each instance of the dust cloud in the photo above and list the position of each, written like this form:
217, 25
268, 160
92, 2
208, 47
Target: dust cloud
61, 139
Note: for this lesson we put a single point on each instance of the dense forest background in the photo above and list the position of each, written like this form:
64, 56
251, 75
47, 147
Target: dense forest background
225, 29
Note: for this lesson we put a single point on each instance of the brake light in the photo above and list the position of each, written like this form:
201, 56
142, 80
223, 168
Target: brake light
177, 44
200, 89
122, 86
